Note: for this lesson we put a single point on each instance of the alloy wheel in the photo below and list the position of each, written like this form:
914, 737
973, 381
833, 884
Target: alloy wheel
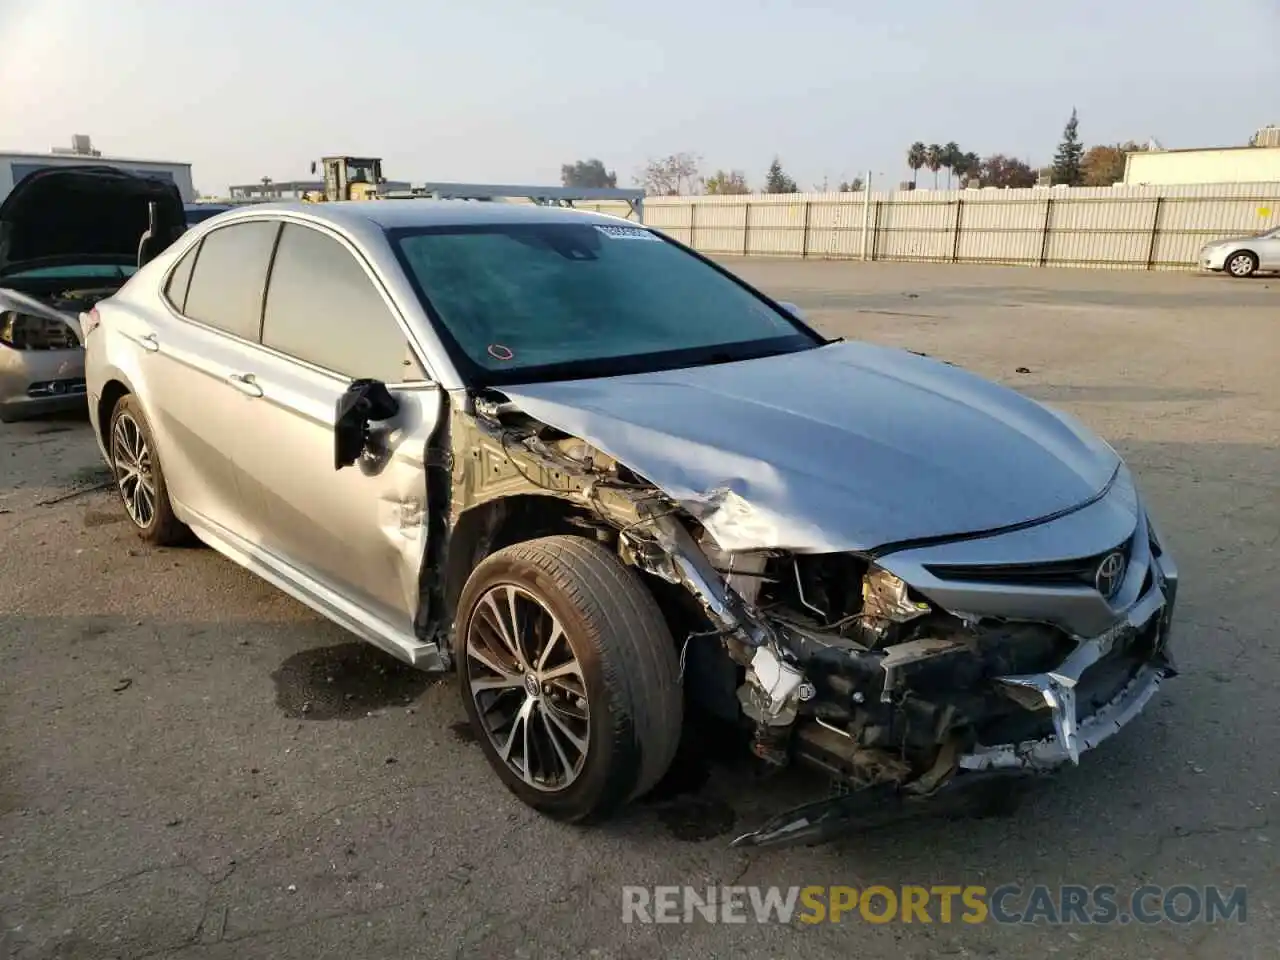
528, 688
1241, 265
131, 461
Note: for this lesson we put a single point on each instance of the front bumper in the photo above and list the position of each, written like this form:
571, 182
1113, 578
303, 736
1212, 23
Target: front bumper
34, 383
1215, 260
1056, 689
1097, 690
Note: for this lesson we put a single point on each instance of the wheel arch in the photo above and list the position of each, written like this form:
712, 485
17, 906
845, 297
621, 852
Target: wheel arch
113, 388
488, 527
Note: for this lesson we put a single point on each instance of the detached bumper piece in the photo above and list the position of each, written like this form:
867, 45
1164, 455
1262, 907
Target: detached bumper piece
882, 806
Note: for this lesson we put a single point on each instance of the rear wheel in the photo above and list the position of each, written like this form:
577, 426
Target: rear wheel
138, 476
1242, 264
569, 676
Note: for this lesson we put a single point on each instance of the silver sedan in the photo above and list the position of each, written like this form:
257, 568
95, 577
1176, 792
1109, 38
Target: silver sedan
607, 482
1243, 256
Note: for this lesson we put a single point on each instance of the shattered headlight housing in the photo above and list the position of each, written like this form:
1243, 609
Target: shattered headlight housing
886, 596
21, 331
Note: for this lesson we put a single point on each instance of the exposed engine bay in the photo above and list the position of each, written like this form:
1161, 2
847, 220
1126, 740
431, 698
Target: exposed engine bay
39, 329
830, 659
81, 299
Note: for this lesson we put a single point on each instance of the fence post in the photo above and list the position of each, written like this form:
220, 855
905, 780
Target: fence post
693, 214
875, 229
1044, 236
955, 242
804, 237
1155, 233
866, 215
746, 228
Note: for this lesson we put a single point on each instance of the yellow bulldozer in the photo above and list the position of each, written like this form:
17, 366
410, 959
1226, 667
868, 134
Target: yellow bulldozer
347, 178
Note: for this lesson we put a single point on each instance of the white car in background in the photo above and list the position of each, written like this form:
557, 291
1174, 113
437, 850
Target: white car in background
69, 237
1243, 256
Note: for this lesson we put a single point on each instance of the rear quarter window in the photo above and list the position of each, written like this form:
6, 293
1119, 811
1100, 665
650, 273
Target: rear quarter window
229, 277
180, 279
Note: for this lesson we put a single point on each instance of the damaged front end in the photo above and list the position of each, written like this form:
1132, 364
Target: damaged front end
917, 704
906, 675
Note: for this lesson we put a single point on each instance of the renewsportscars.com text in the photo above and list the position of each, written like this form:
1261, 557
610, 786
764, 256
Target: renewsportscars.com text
945, 904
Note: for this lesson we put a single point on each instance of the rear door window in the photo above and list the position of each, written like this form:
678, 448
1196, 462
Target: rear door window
229, 277
323, 308
176, 288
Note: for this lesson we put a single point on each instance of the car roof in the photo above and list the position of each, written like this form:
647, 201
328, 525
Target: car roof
395, 214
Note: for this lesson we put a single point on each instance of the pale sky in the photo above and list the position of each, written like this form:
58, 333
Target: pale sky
507, 91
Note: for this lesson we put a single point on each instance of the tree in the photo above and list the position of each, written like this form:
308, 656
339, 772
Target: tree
670, 176
776, 181
933, 160
852, 186
951, 155
966, 167
727, 182
1066, 162
998, 170
587, 173
1103, 165
916, 155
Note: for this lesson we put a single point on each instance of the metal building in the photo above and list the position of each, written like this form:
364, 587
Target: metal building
14, 165
269, 189
1259, 164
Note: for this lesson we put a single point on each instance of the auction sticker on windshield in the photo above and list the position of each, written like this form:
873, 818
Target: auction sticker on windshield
627, 233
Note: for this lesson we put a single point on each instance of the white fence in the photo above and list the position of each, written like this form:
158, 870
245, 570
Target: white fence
1144, 228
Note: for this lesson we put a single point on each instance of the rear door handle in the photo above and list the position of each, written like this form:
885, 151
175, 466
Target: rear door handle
246, 384
149, 343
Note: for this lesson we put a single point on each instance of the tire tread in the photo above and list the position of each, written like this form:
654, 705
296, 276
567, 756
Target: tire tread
638, 661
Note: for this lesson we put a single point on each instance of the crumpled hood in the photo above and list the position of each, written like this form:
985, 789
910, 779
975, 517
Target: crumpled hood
849, 446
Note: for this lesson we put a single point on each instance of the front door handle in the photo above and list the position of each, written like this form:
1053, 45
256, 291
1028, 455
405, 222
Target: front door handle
149, 343
246, 384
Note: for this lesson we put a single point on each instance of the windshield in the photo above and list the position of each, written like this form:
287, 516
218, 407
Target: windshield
74, 271
523, 302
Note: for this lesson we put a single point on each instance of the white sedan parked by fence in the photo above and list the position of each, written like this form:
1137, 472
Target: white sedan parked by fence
1243, 256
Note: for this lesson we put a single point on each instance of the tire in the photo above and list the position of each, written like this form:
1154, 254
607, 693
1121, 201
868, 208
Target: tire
1241, 264
130, 441
627, 672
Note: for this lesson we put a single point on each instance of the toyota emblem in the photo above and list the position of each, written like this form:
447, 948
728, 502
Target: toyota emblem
1110, 574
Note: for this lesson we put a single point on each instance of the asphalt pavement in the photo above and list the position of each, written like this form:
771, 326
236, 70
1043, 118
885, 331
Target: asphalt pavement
194, 766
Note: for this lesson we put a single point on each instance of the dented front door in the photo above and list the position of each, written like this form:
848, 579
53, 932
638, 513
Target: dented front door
359, 531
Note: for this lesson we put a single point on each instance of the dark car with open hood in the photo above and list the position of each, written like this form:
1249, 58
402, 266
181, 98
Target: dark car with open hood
69, 236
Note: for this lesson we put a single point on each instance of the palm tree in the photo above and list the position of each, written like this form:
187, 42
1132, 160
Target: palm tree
915, 160
933, 160
970, 164
950, 155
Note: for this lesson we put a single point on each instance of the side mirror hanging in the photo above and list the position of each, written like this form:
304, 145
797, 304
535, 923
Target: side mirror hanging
362, 403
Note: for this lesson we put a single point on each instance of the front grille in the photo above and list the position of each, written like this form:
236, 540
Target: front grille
1076, 572
56, 388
